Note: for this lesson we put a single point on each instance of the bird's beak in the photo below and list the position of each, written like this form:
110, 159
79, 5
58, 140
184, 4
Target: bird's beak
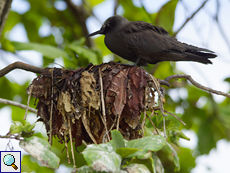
101, 31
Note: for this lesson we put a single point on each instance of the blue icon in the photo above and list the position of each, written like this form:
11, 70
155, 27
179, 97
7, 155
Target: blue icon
9, 160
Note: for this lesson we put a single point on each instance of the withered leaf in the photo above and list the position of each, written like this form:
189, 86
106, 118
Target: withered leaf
90, 96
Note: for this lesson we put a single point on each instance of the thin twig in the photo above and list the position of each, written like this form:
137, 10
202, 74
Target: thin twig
4, 11
18, 137
190, 79
71, 141
152, 123
13, 103
84, 143
51, 108
219, 26
202, 5
81, 14
143, 123
163, 82
85, 121
89, 8
67, 150
115, 7
103, 104
175, 117
156, 83
164, 126
28, 101
20, 65
65, 133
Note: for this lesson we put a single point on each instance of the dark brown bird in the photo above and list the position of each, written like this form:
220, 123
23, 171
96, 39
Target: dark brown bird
144, 43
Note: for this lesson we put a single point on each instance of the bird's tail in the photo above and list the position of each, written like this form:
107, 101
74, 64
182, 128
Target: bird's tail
197, 54
201, 57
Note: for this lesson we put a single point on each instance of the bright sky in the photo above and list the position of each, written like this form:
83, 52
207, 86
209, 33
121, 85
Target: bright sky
208, 75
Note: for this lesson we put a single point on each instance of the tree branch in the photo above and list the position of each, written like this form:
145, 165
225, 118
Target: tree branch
9, 102
4, 11
20, 65
202, 5
81, 15
190, 79
116, 4
219, 25
17, 137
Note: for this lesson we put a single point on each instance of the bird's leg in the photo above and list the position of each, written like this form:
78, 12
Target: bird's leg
137, 61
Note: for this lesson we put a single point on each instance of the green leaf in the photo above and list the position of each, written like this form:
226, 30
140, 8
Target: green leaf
28, 127
12, 20
206, 138
25, 168
23, 130
158, 165
94, 2
165, 16
85, 169
40, 149
124, 152
17, 127
46, 50
117, 139
152, 143
83, 52
148, 162
101, 45
227, 79
174, 123
173, 153
102, 155
180, 134
136, 168
134, 13
187, 160
7, 45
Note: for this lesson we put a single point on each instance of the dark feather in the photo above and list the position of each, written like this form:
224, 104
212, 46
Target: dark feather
146, 43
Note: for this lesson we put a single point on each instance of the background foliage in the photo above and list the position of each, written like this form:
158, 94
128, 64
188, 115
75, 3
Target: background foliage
66, 40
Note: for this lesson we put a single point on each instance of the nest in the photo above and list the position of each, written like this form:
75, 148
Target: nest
87, 103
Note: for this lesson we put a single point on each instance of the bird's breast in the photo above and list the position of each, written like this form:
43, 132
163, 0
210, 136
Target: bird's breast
116, 44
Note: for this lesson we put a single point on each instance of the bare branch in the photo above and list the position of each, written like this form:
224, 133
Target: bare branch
152, 124
71, 141
219, 25
163, 82
20, 65
103, 107
9, 136
9, 102
116, 3
202, 5
81, 15
4, 11
190, 79
175, 117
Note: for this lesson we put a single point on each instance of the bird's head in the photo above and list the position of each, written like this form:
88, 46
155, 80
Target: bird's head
111, 23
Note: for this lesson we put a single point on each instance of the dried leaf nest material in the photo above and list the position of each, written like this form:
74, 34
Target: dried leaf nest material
77, 111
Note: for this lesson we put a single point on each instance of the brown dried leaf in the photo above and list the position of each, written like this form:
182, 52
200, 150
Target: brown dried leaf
90, 96
136, 89
116, 93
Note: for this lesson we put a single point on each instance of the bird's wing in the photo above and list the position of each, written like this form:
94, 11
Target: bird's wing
149, 39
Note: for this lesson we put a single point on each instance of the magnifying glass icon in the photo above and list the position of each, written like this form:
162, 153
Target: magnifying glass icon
9, 160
